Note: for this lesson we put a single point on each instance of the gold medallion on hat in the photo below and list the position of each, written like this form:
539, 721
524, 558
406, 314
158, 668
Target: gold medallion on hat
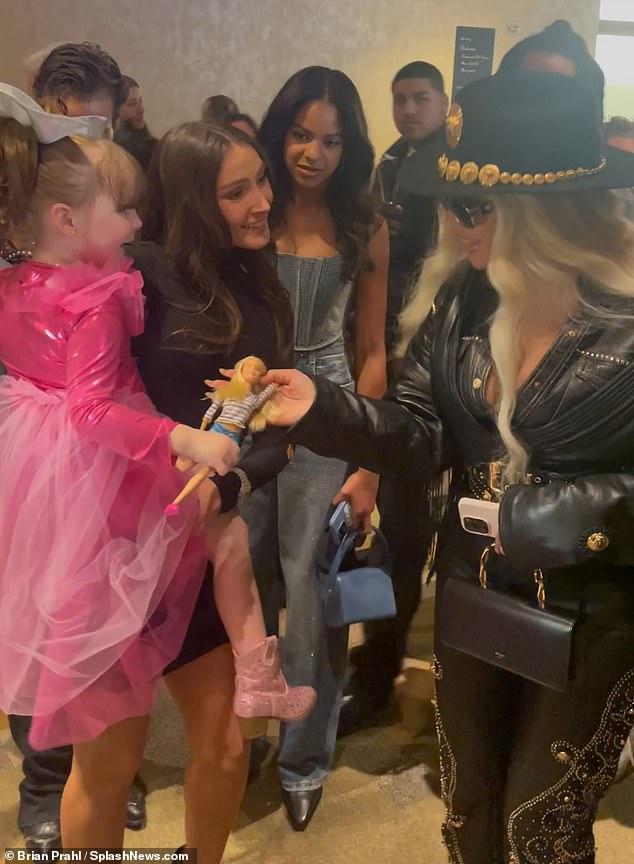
489, 175
453, 125
453, 171
597, 542
469, 172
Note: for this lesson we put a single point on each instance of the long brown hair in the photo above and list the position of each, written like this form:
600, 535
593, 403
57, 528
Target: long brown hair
181, 215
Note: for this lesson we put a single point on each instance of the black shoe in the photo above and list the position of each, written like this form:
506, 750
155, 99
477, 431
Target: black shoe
43, 837
360, 711
300, 805
136, 815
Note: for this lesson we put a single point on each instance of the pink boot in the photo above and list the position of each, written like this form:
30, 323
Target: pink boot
261, 689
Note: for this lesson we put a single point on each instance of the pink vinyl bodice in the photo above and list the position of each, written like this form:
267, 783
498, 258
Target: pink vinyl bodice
68, 330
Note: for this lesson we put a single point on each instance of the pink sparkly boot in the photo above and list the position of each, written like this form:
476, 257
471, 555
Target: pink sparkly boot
261, 689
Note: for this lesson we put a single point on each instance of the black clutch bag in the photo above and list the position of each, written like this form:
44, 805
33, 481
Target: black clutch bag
517, 635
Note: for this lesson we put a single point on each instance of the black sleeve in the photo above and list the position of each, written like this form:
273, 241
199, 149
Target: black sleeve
401, 433
562, 524
417, 232
268, 455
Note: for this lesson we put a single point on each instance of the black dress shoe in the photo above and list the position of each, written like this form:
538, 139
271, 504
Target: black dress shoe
43, 837
300, 805
136, 816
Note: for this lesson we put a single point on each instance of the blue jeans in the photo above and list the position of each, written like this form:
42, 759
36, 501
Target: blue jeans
286, 521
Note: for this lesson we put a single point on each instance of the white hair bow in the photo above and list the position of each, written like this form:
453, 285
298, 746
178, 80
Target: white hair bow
48, 127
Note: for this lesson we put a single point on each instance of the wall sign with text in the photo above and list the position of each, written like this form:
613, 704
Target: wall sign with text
473, 57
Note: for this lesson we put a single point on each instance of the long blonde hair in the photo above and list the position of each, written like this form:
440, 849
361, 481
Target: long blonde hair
543, 245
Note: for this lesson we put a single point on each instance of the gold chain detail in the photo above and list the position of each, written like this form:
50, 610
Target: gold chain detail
538, 576
483, 565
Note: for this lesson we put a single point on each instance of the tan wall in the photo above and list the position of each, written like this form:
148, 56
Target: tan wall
184, 50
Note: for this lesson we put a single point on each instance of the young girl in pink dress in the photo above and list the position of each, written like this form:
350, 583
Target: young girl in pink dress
97, 585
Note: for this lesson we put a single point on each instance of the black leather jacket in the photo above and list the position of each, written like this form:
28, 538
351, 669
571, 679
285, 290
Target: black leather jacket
575, 414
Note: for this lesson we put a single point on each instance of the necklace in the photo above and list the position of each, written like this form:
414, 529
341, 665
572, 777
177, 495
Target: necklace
14, 256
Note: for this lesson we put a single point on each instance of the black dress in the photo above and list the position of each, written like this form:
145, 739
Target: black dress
174, 371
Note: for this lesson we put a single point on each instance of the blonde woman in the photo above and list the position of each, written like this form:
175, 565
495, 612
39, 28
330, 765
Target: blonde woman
519, 374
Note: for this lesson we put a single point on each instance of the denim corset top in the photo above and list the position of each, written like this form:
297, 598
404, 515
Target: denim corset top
320, 300
318, 296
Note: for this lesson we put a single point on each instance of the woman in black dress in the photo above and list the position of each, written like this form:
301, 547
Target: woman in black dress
212, 298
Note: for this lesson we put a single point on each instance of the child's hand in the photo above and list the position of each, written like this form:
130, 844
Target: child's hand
215, 450
218, 452
183, 465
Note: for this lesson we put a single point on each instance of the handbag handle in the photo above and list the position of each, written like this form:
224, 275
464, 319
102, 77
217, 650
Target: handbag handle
346, 545
538, 576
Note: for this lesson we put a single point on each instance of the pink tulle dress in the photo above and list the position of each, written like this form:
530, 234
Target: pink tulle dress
96, 585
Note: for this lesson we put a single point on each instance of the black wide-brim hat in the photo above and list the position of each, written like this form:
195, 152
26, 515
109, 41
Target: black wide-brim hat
520, 131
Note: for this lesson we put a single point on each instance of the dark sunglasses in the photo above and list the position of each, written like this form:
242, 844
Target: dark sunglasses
470, 212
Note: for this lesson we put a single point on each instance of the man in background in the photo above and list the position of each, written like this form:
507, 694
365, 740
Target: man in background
619, 132
79, 79
419, 107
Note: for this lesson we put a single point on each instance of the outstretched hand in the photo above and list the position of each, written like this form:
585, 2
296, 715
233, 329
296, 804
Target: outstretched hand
294, 397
